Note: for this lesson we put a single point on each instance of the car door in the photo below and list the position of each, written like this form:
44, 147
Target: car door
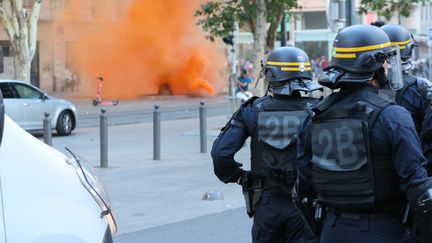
13, 106
34, 105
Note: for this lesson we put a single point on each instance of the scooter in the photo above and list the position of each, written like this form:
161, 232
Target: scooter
99, 100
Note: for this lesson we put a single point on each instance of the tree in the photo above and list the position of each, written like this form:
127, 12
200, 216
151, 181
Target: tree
20, 24
219, 18
387, 8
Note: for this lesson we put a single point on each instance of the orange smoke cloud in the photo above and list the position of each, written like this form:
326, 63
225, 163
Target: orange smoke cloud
153, 45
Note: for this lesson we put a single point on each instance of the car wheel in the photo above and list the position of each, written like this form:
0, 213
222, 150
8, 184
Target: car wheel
64, 123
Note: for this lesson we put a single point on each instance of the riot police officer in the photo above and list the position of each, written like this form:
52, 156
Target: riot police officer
272, 122
358, 154
415, 96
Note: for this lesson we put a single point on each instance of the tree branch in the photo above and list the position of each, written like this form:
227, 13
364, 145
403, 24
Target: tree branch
33, 23
17, 6
7, 24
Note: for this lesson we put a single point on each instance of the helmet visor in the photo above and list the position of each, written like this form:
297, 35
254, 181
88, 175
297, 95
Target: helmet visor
394, 68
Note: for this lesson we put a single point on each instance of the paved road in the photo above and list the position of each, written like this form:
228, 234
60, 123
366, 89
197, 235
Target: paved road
231, 226
141, 110
172, 108
157, 198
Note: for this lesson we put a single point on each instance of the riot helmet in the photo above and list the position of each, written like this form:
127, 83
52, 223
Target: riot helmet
287, 69
398, 35
358, 52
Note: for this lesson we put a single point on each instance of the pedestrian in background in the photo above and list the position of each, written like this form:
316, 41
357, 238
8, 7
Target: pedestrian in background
242, 90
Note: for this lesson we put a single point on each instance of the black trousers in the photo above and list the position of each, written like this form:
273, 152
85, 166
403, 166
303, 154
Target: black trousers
364, 229
276, 220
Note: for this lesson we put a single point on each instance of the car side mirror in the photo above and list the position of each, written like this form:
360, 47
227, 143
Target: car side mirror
44, 96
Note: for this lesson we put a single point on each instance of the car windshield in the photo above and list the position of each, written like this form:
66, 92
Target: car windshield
27, 92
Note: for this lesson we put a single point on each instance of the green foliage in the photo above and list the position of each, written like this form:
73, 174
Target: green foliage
387, 8
218, 18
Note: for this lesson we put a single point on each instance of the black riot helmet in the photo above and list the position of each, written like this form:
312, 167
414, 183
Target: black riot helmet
287, 69
358, 52
398, 35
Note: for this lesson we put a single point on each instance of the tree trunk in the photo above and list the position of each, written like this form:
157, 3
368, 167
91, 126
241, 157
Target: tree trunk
21, 26
259, 43
271, 36
22, 68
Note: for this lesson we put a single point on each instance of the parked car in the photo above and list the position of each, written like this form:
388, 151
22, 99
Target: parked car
26, 105
47, 197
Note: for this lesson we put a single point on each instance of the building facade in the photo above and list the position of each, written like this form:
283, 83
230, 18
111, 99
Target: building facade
58, 27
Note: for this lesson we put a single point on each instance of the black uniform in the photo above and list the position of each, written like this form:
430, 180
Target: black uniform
360, 154
272, 123
414, 97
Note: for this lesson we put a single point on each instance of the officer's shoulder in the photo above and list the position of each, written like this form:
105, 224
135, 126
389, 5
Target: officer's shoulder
396, 114
249, 102
424, 87
259, 102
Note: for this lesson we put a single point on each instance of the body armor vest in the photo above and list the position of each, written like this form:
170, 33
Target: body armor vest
273, 151
347, 173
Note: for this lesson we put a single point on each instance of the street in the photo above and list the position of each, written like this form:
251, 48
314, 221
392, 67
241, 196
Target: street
161, 201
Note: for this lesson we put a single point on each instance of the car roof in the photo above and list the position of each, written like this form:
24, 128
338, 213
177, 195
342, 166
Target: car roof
12, 81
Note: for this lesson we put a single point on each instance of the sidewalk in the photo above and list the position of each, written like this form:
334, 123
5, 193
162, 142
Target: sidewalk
85, 106
147, 193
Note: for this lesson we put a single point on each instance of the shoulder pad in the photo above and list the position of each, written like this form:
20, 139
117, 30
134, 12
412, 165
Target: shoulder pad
424, 86
260, 102
249, 101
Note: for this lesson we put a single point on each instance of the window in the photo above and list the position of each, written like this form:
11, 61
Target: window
27, 92
314, 20
7, 91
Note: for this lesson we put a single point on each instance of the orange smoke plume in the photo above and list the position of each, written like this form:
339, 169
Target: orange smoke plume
151, 47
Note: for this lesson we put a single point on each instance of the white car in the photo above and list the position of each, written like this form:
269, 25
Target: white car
47, 197
26, 105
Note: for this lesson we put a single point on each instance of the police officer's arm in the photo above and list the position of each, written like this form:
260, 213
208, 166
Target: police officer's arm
417, 104
304, 157
229, 141
426, 137
397, 128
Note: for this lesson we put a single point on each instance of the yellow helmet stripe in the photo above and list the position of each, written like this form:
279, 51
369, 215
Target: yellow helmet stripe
362, 48
345, 55
402, 47
401, 42
288, 63
295, 69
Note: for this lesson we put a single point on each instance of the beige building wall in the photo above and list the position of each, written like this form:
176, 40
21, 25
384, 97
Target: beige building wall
53, 39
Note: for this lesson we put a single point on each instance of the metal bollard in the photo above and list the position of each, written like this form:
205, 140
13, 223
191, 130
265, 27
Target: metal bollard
47, 131
156, 133
103, 139
203, 127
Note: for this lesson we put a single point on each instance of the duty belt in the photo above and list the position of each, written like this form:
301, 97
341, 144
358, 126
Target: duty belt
361, 215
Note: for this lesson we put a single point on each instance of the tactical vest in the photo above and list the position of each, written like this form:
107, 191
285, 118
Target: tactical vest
273, 151
346, 172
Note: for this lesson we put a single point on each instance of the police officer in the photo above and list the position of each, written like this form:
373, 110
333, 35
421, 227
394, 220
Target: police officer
272, 122
415, 96
358, 154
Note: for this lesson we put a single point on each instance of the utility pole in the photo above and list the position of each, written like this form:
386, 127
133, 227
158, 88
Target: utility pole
292, 29
349, 7
283, 30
